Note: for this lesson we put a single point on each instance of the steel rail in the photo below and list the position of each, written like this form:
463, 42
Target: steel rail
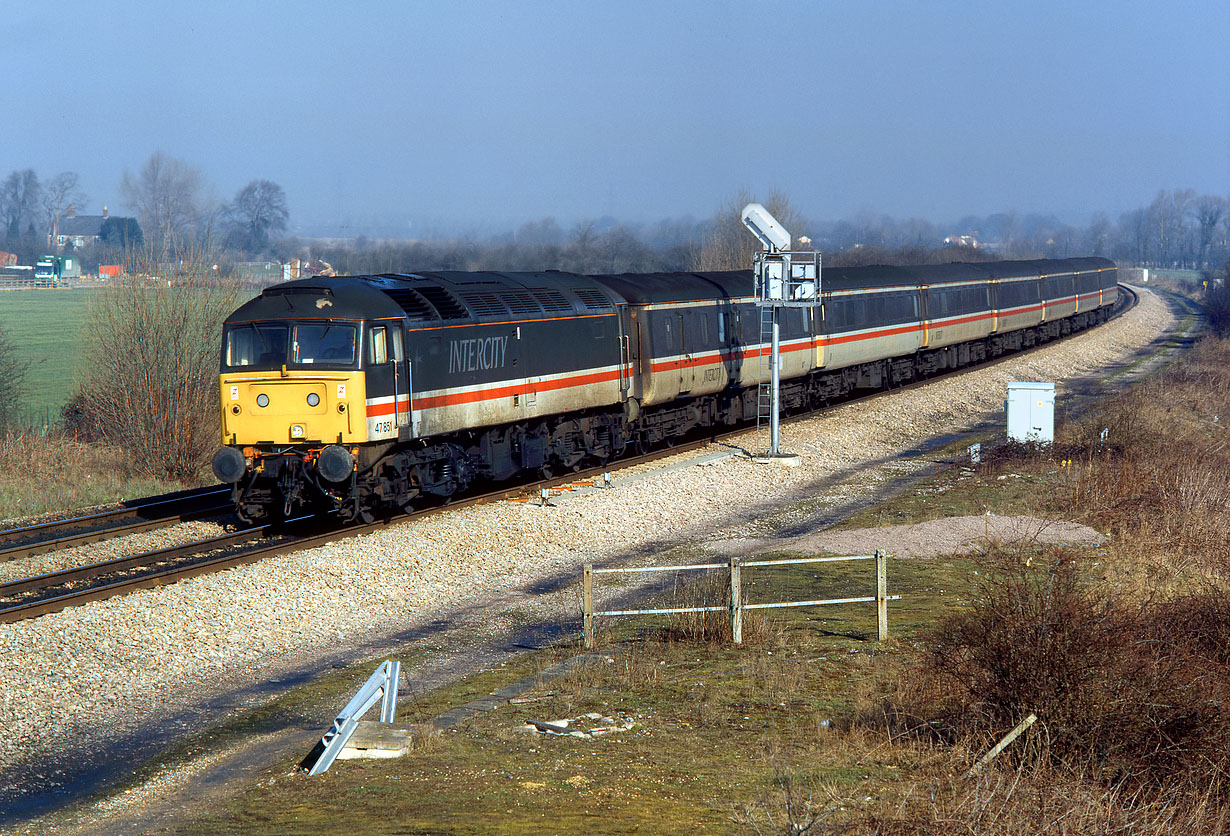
118, 564
166, 510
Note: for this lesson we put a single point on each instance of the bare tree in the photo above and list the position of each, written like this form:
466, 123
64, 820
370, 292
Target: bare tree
729, 245
1098, 235
170, 200
19, 200
59, 193
257, 210
1209, 210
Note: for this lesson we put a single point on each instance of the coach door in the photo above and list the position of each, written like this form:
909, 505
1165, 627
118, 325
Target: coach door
687, 369
625, 359
403, 388
388, 381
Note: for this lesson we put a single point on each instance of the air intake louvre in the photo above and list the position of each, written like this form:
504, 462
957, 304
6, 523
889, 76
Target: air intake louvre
553, 301
448, 305
415, 306
594, 300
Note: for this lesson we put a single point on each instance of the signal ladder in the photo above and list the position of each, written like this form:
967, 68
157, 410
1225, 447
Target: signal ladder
764, 380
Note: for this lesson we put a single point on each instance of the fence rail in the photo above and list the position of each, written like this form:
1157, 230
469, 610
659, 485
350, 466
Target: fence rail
737, 606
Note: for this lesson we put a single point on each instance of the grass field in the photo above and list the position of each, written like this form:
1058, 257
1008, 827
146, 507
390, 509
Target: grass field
45, 328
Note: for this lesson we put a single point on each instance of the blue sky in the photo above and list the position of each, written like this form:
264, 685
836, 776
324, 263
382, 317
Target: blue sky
419, 115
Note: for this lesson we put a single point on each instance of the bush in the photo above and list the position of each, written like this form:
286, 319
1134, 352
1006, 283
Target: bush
150, 385
1217, 300
1130, 694
12, 382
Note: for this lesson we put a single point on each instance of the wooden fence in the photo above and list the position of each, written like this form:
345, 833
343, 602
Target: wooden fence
737, 605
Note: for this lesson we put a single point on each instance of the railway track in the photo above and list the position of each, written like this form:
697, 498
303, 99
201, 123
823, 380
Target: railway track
34, 596
131, 517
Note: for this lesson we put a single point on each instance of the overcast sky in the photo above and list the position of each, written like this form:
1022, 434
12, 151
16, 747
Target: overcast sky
486, 114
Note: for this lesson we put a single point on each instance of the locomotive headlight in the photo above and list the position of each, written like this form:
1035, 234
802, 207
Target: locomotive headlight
262, 399
313, 399
296, 431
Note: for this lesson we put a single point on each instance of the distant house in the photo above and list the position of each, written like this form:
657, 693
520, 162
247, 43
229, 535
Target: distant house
962, 241
85, 230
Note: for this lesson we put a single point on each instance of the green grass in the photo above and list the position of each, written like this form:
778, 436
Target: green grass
44, 326
716, 725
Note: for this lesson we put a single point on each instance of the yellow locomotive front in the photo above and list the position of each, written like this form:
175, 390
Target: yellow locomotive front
293, 396
308, 396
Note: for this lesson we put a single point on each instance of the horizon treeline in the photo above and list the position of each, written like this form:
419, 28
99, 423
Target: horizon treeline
176, 211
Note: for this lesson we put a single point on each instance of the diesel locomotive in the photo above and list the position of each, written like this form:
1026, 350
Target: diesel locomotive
365, 393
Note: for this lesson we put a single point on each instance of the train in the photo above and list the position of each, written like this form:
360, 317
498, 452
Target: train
368, 394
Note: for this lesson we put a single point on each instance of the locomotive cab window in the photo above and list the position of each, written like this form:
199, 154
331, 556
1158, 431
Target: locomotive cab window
257, 344
327, 343
271, 345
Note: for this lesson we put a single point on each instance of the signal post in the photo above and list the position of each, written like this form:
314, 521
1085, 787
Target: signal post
784, 278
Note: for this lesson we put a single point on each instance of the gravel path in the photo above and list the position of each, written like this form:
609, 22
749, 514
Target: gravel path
951, 535
99, 671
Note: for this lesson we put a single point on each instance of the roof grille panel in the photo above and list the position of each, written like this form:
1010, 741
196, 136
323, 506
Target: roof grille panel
520, 302
484, 304
594, 300
553, 301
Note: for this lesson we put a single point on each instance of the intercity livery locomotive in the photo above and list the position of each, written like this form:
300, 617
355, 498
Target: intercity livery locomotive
363, 394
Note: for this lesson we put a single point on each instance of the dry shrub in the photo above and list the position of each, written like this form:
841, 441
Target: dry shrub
1035, 802
1159, 478
942, 799
1135, 695
711, 589
150, 386
47, 472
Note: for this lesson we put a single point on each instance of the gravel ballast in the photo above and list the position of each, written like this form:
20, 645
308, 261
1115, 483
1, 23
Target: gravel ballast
116, 665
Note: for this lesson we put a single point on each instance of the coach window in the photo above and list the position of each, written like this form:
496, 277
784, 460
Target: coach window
669, 334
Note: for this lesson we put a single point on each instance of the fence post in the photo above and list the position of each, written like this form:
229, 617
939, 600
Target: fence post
587, 605
736, 601
881, 595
